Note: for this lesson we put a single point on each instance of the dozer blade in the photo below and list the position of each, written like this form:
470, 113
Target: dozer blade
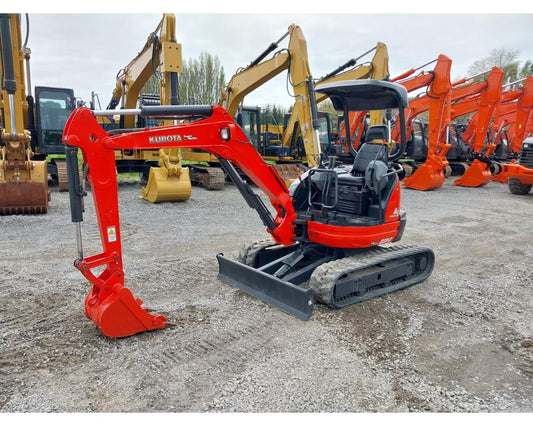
161, 187
477, 174
119, 314
425, 178
283, 295
23, 197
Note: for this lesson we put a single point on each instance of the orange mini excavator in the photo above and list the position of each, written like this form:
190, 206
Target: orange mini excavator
328, 229
482, 98
520, 174
430, 175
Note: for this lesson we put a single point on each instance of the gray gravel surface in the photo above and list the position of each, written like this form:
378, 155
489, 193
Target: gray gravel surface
462, 341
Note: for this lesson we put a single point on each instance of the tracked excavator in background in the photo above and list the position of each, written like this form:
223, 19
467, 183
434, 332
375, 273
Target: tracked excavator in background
431, 174
30, 128
520, 173
511, 118
377, 69
328, 229
301, 141
481, 98
161, 57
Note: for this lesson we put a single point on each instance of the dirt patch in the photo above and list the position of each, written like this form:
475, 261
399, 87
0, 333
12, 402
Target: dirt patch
460, 341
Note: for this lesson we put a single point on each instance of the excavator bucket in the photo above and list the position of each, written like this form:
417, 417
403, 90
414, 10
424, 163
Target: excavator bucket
169, 182
477, 174
161, 187
425, 177
25, 197
119, 314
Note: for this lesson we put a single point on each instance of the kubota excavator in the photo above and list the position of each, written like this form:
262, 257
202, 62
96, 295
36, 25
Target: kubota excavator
30, 128
160, 57
327, 230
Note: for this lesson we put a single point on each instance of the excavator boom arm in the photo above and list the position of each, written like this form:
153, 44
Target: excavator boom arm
216, 133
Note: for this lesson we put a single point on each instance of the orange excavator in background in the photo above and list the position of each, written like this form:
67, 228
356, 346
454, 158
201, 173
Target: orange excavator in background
30, 128
327, 229
482, 98
430, 174
503, 116
511, 118
520, 174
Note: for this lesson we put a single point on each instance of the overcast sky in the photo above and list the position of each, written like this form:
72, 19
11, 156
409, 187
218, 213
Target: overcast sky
85, 51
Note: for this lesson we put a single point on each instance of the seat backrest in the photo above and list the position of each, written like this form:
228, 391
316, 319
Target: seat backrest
376, 132
367, 153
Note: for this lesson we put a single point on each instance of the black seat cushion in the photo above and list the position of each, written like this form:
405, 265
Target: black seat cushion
376, 132
367, 153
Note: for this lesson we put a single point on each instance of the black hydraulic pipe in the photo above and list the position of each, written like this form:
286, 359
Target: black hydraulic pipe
350, 63
248, 194
312, 100
10, 85
174, 93
166, 110
273, 46
74, 187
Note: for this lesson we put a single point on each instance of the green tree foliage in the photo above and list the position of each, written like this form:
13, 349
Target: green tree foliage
272, 114
199, 84
202, 80
527, 69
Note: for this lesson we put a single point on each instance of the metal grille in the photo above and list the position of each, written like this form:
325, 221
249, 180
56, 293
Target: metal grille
526, 156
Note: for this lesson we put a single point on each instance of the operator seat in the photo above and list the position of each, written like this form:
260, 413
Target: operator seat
376, 132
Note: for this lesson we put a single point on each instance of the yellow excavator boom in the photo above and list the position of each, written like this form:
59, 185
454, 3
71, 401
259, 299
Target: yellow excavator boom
23, 182
161, 56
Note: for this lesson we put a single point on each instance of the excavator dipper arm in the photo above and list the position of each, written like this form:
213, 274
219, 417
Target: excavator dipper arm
109, 304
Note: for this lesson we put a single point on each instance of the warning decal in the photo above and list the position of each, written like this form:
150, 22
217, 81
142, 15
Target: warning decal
111, 234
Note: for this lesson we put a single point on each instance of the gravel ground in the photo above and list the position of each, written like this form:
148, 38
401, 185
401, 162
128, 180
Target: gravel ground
462, 341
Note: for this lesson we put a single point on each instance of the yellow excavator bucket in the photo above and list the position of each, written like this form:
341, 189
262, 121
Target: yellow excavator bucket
169, 182
20, 194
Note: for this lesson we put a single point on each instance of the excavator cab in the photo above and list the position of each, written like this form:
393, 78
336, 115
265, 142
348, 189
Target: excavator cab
338, 195
53, 107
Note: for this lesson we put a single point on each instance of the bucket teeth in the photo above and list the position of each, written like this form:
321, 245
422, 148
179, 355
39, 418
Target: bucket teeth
23, 198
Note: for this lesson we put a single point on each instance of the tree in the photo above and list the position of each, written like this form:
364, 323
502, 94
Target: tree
527, 69
273, 114
199, 84
202, 80
506, 59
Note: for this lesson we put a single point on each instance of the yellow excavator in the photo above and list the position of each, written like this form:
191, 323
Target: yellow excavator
294, 59
31, 128
161, 57
301, 141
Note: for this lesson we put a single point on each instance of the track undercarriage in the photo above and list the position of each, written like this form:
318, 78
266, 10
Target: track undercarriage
335, 277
